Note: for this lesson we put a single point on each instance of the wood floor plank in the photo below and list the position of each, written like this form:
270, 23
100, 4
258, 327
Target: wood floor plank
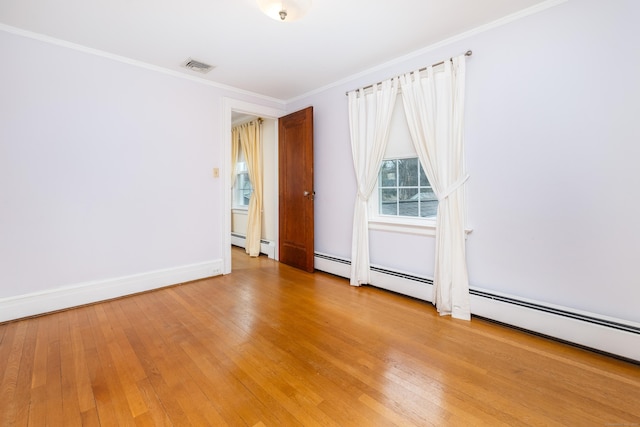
23, 386
37, 407
156, 415
90, 418
53, 381
39, 367
11, 358
81, 345
111, 405
269, 345
71, 413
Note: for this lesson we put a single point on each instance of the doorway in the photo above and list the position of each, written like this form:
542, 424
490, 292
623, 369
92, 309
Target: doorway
292, 134
243, 187
245, 110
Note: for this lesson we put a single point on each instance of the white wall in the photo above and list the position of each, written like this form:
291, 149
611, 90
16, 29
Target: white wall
105, 169
552, 150
270, 188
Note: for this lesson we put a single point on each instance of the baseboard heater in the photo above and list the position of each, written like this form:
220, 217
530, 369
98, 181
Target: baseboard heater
614, 337
267, 247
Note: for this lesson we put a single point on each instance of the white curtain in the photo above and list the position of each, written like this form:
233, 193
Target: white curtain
369, 118
434, 107
251, 146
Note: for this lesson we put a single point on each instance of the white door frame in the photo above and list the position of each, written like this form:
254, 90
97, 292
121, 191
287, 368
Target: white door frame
230, 105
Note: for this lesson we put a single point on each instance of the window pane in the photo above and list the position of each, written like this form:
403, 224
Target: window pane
388, 201
428, 208
242, 190
388, 173
408, 202
426, 193
247, 189
423, 177
241, 167
407, 172
408, 194
428, 202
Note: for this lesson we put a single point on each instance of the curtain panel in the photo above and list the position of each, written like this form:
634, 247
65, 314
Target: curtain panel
369, 119
250, 141
235, 147
434, 107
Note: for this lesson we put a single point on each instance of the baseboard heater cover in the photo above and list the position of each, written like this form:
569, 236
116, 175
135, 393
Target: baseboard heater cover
609, 323
616, 337
267, 247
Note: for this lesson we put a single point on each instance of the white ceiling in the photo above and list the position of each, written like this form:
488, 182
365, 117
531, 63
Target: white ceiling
335, 40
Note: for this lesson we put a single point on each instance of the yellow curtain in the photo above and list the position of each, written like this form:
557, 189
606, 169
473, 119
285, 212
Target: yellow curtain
235, 147
251, 145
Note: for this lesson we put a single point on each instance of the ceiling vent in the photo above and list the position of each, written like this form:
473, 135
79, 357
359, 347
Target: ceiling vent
197, 66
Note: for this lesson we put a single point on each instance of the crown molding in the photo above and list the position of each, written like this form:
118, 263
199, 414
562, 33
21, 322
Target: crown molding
140, 64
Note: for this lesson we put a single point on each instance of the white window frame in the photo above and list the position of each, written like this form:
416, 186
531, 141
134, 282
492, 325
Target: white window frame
398, 224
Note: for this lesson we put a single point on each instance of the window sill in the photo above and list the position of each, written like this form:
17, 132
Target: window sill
239, 210
424, 227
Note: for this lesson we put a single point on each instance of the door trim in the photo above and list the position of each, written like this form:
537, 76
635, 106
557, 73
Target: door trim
228, 106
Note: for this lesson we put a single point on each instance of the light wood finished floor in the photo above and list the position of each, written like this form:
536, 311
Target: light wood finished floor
272, 346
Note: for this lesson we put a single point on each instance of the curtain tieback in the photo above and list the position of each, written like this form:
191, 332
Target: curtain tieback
446, 193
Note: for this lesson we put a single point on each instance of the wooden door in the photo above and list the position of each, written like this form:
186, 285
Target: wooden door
295, 162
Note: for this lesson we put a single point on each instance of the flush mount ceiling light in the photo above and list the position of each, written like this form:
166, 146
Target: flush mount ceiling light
285, 10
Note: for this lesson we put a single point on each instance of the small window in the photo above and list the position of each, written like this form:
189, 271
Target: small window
404, 190
242, 188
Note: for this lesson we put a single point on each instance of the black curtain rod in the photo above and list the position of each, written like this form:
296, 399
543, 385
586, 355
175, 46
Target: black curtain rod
467, 53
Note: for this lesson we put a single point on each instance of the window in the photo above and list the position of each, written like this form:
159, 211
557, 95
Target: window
242, 188
404, 190
403, 200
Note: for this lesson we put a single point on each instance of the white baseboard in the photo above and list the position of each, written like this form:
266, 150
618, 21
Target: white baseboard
267, 247
36, 303
617, 337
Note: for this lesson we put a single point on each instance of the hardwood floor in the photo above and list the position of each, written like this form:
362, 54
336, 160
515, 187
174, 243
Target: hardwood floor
269, 345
